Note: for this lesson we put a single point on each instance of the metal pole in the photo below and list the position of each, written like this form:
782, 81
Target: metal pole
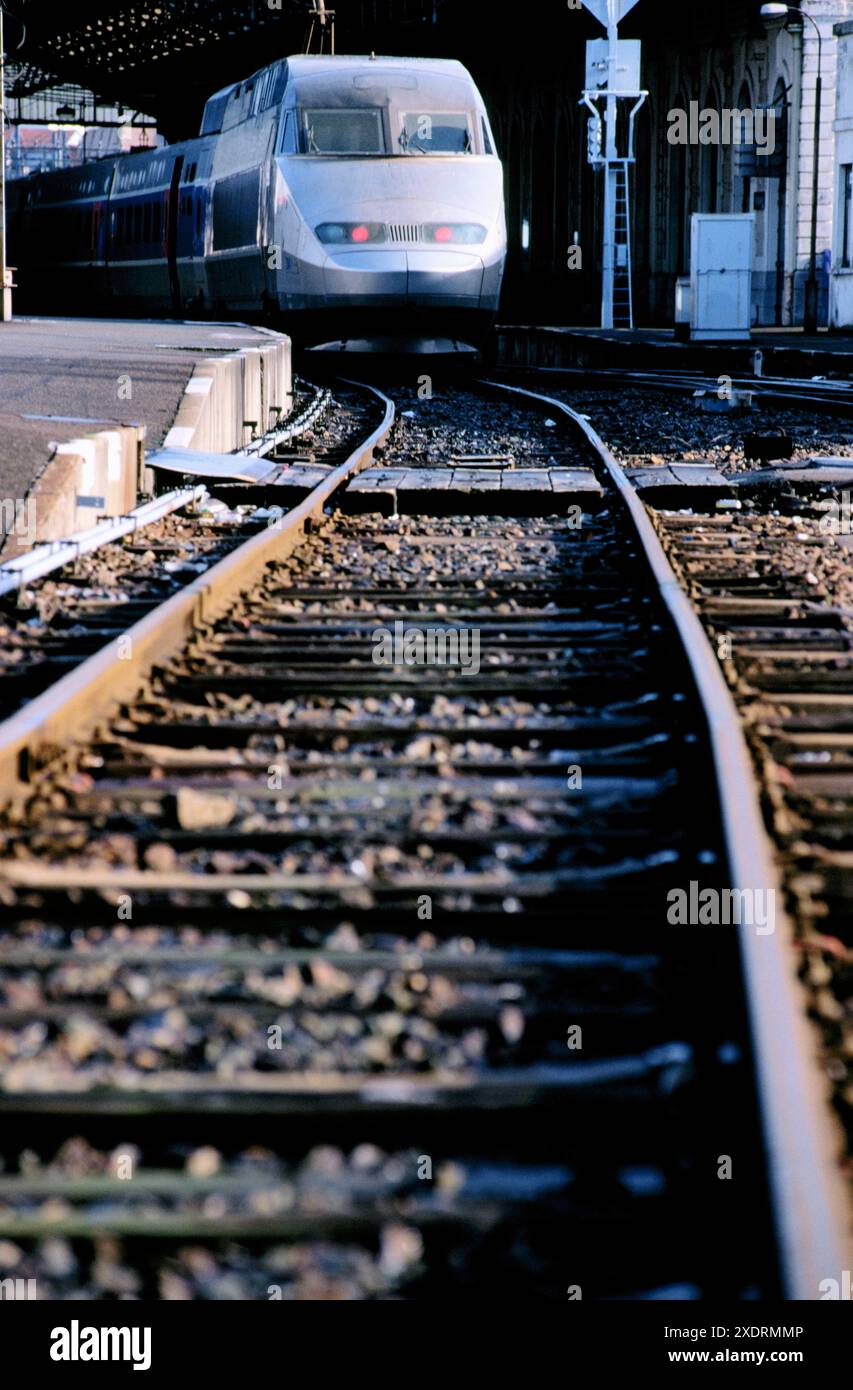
810, 305
4, 295
793, 174
781, 204
810, 309
609, 258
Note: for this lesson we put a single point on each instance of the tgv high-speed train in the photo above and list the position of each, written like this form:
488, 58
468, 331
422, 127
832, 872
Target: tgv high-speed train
338, 196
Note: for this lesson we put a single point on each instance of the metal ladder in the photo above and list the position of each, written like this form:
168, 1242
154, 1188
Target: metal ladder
623, 303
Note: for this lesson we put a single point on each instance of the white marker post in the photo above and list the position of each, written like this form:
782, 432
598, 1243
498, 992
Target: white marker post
621, 71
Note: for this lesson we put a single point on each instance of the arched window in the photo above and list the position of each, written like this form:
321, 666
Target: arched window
515, 199
643, 192
740, 134
780, 106
778, 193
679, 193
709, 171
541, 201
562, 231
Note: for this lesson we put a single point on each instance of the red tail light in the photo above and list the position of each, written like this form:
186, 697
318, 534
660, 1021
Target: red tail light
467, 233
359, 232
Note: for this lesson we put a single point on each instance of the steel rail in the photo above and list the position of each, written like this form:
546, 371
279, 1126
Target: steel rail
79, 701
827, 397
273, 439
53, 555
809, 1197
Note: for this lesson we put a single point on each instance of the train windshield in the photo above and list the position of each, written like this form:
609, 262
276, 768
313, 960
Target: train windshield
358, 131
436, 132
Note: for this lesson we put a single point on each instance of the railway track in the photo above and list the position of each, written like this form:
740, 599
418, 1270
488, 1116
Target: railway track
49, 627
64, 601
764, 588
332, 975
818, 394
770, 583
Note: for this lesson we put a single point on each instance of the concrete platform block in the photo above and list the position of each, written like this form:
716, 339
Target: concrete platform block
225, 392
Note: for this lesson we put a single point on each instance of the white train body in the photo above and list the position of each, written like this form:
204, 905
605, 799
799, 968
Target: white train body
336, 196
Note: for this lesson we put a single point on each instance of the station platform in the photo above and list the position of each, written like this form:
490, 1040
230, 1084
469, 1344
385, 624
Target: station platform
785, 352
74, 392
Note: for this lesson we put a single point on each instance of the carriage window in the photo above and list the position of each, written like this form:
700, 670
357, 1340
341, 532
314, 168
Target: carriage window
287, 144
353, 131
487, 144
260, 99
436, 132
146, 230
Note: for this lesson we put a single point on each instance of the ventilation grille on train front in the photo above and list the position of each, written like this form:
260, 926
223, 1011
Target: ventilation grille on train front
405, 231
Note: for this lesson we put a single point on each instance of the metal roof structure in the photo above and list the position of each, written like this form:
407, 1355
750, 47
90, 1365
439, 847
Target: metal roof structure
165, 57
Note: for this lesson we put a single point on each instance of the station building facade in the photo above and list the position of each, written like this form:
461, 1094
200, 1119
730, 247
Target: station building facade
752, 68
722, 57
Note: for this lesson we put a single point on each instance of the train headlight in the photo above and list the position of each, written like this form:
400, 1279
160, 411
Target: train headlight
469, 233
338, 233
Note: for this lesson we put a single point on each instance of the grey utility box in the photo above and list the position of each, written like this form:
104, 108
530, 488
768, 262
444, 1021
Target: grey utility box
721, 276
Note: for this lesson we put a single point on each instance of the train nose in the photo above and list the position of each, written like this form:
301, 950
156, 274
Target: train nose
417, 277
444, 277
375, 277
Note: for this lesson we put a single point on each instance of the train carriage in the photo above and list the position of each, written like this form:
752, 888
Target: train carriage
330, 195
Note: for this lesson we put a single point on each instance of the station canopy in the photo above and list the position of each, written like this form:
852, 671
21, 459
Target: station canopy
166, 57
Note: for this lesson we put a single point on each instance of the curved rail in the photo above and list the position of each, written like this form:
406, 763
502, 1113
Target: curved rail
810, 1201
833, 398
55, 555
85, 696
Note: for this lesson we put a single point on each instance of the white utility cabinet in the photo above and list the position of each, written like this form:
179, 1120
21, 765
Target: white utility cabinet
721, 275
